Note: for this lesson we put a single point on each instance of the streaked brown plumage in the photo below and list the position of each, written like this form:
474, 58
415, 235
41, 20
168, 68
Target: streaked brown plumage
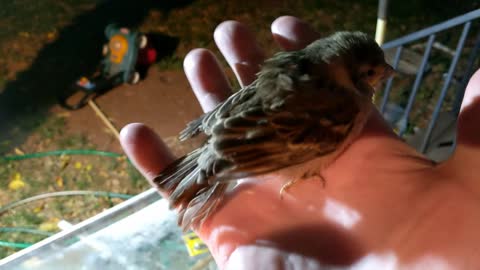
304, 105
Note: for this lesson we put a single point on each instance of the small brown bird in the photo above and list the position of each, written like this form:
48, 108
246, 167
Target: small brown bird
304, 105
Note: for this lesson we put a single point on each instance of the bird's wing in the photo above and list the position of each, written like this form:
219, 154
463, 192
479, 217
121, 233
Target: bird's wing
204, 122
282, 66
260, 139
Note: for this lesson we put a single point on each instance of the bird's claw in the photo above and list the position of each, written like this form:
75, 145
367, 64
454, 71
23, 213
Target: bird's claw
290, 183
286, 187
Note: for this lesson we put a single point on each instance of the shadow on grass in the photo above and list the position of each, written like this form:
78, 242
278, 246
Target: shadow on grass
25, 102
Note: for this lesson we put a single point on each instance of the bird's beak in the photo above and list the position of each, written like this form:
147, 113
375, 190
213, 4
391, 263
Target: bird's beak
389, 71
383, 75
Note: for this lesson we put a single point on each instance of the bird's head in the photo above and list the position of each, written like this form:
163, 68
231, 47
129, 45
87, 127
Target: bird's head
365, 59
358, 54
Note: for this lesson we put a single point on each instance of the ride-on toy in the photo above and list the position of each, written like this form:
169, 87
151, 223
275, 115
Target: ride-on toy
118, 66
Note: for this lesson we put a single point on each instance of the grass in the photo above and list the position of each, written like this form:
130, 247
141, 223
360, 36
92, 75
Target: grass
50, 174
28, 26
58, 173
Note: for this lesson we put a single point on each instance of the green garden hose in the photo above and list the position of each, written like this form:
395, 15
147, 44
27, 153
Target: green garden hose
23, 230
20, 230
9, 206
14, 244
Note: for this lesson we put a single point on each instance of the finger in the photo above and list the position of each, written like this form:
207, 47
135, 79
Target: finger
206, 77
240, 49
468, 130
292, 33
145, 149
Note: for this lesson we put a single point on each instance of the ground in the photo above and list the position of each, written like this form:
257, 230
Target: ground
164, 101
46, 45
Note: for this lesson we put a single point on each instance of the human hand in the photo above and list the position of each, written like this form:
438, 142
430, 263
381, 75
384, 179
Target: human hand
384, 205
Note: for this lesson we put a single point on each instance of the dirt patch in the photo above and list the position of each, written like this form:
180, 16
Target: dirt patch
164, 101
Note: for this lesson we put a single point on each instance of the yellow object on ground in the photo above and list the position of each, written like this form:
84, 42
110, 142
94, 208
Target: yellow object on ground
49, 225
194, 244
17, 182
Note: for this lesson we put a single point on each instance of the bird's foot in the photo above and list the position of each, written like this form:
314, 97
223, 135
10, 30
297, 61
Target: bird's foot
307, 175
318, 176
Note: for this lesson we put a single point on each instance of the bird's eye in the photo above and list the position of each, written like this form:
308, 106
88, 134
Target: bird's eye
371, 72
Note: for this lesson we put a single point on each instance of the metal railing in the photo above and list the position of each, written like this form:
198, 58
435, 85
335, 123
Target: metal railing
431, 33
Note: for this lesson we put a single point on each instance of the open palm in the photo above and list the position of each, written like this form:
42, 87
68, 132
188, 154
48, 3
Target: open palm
384, 205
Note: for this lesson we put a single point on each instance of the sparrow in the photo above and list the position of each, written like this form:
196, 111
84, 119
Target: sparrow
305, 105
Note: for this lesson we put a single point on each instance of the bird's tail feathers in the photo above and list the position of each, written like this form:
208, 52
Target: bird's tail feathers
199, 208
194, 200
172, 176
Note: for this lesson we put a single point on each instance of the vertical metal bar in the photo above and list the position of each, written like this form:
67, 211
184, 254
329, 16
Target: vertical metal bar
445, 87
466, 77
381, 21
388, 86
418, 79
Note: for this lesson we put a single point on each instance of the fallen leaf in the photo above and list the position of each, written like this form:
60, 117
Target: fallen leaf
16, 184
65, 160
38, 209
59, 181
51, 35
17, 176
78, 165
18, 151
49, 225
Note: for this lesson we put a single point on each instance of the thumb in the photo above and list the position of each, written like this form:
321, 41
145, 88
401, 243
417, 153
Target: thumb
468, 129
